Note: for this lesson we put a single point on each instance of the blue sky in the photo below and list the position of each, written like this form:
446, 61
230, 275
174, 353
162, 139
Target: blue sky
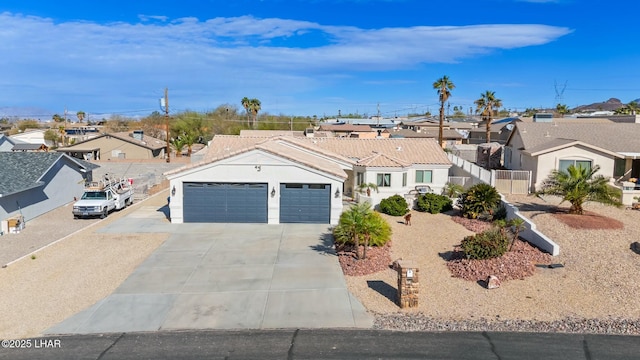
314, 57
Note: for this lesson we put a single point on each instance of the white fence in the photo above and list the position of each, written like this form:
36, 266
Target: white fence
512, 182
505, 181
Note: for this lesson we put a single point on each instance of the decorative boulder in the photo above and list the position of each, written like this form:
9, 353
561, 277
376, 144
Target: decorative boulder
493, 282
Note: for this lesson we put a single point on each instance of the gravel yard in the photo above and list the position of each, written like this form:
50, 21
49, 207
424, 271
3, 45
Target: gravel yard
70, 275
596, 290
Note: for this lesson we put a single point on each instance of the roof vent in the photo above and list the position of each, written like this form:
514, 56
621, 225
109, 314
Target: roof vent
399, 148
546, 134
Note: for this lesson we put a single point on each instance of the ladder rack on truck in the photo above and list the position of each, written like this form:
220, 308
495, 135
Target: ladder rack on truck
101, 197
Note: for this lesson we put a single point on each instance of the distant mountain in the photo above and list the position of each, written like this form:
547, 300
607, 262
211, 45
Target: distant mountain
26, 112
612, 104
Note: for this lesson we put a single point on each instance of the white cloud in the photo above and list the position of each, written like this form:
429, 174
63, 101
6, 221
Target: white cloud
227, 53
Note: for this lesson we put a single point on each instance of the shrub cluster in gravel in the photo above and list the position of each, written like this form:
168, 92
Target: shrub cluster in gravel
516, 264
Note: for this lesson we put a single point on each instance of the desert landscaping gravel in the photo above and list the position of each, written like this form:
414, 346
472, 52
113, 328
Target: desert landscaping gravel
70, 275
595, 292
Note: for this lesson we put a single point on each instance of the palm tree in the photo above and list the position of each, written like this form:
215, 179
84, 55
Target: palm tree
373, 225
632, 107
562, 109
444, 87
179, 144
578, 185
57, 118
245, 104
486, 105
80, 114
254, 107
349, 227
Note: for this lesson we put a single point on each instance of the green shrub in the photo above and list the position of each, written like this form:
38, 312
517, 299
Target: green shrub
395, 205
499, 213
434, 203
480, 201
488, 244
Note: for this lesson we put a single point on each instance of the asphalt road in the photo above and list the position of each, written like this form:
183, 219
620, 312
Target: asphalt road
326, 344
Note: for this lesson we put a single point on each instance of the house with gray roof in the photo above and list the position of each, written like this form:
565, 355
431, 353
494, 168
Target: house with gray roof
545, 146
33, 183
30, 147
7, 143
287, 179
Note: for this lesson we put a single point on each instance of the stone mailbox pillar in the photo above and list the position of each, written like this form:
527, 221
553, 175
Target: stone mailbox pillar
407, 284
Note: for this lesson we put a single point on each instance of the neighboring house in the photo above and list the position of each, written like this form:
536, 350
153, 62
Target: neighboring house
451, 137
30, 147
300, 180
545, 146
7, 143
33, 183
123, 145
500, 131
350, 130
271, 133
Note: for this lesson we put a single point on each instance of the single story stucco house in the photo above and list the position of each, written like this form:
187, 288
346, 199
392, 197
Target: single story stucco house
298, 180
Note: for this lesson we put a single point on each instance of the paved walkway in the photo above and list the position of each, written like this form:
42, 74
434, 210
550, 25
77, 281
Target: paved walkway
225, 276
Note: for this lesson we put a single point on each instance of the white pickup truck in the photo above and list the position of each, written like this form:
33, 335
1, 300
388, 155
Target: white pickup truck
99, 198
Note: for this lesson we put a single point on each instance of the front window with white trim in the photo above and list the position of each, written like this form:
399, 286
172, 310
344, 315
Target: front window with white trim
384, 180
563, 165
423, 176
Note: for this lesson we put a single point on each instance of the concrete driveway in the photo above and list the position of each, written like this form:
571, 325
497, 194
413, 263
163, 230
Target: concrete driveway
226, 276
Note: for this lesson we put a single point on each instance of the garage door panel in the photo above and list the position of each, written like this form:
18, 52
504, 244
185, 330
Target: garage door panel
225, 202
305, 203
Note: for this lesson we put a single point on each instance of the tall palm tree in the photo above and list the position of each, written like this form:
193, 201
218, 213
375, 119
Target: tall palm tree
486, 105
578, 185
245, 104
80, 114
443, 86
254, 107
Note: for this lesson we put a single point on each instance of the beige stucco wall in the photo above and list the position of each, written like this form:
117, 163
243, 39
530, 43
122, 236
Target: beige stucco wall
110, 146
550, 161
439, 177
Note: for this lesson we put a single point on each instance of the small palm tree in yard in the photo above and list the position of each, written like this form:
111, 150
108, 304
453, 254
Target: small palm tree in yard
578, 185
366, 188
362, 223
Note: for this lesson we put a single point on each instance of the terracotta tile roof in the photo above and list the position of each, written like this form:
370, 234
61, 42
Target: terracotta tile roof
371, 152
226, 146
382, 160
413, 151
616, 137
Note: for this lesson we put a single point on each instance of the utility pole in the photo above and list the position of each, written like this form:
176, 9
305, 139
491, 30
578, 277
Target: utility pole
166, 121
